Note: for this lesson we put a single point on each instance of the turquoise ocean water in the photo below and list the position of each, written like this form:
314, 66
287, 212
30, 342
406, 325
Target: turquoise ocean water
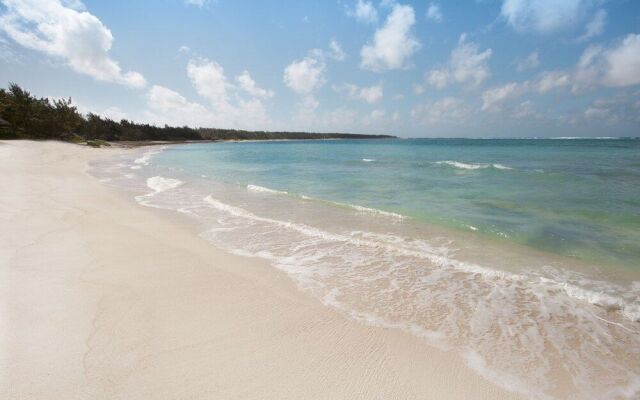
578, 198
522, 256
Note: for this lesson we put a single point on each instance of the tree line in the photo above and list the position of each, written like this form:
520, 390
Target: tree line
28, 117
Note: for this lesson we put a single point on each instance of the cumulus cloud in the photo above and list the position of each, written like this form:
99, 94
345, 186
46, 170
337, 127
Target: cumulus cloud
375, 118
466, 65
595, 27
622, 63
247, 84
170, 107
228, 104
66, 32
544, 16
335, 51
446, 110
613, 110
369, 94
393, 43
306, 112
551, 80
617, 66
530, 62
114, 113
306, 75
209, 80
434, 13
364, 11
493, 99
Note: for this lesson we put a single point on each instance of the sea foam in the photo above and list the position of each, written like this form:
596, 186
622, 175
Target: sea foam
262, 189
516, 328
471, 166
160, 183
358, 208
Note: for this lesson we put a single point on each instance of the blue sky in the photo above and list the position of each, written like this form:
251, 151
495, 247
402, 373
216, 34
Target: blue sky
502, 68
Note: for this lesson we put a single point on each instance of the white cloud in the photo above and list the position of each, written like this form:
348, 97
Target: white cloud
8, 54
170, 107
306, 75
438, 78
595, 27
551, 80
447, 110
375, 118
393, 43
306, 112
369, 94
618, 66
226, 108
434, 13
596, 113
532, 61
247, 84
544, 16
114, 113
184, 49
197, 3
617, 109
336, 51
75, 36
166, 106
623, 63
364, 11
418, 89
525, 110
493, 99
209, 80
466, 65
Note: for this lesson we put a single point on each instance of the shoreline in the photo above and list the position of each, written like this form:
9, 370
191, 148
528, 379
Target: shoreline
103, 298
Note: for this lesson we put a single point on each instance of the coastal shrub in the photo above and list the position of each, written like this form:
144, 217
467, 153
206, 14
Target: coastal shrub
30, 117
97, 143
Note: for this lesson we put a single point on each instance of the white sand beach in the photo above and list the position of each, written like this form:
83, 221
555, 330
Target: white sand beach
101, 298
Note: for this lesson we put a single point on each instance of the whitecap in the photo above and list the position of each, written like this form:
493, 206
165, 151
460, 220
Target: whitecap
472, 166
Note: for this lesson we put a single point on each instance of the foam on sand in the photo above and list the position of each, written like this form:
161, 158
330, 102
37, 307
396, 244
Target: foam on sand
146, 157
121, 297
516, 327
262, 189
158, 184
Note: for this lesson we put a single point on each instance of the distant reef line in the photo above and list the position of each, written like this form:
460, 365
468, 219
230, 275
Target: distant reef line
24, 116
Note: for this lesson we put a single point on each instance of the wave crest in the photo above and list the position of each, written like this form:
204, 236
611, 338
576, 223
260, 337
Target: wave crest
472, 166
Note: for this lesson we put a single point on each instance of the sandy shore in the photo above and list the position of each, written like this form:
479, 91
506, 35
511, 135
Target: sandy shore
103, 298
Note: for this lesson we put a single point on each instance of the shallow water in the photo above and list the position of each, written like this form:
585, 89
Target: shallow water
522, 255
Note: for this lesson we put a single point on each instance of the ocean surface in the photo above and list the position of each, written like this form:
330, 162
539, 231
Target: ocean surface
523, 256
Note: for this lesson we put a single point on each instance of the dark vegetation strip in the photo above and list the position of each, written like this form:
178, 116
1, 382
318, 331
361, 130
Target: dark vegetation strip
24, 116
